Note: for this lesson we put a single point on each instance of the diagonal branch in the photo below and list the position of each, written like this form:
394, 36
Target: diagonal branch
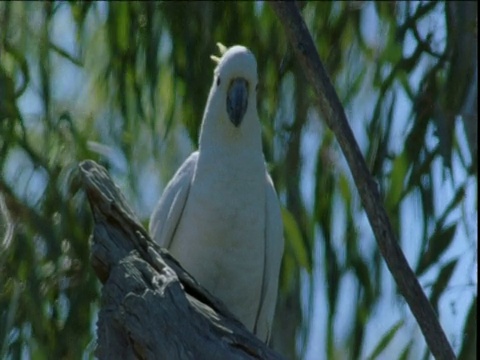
334, 114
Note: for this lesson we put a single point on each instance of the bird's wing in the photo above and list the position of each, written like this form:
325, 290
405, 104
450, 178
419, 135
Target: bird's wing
167, 213
273, 258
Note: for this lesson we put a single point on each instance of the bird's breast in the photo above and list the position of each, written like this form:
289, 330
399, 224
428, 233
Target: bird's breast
221, 237
226, 205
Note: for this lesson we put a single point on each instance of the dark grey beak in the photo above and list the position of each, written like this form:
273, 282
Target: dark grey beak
237, 100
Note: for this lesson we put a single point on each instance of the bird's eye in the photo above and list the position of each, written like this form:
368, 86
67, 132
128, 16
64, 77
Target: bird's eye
218, 81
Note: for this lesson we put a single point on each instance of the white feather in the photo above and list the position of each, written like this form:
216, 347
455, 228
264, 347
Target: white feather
219, 215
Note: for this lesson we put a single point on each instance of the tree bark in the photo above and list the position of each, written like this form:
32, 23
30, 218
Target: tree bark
334, 115
151, 308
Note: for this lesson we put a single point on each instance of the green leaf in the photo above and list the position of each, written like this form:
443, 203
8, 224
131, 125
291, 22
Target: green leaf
442, 282
392, 53
295, 240
123, 26
363, 275
385, 340
405, 354
454, 204
344, 188
438, 243
469, 345
397, 177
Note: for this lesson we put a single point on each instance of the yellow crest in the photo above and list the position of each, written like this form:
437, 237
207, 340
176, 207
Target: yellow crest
222, 48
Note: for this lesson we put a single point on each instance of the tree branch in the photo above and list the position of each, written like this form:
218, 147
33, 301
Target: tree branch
151, 307
334, 114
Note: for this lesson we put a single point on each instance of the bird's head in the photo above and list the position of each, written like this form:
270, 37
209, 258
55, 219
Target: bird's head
236, 76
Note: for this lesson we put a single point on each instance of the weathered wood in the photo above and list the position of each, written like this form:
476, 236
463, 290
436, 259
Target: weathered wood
151, 307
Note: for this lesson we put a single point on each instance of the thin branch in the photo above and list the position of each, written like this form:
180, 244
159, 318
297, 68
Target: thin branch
334, 114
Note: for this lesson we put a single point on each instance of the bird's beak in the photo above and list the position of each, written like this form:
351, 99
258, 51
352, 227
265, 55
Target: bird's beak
237, 100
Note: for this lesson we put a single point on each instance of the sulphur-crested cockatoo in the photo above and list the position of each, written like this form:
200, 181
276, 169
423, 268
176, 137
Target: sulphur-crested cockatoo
219, 216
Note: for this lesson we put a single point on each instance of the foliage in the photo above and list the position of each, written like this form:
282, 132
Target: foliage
125, 84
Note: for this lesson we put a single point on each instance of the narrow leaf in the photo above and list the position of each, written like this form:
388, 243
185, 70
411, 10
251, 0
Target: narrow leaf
442, 282
469, 345
438, 243
295, 240
385, 340
397, 177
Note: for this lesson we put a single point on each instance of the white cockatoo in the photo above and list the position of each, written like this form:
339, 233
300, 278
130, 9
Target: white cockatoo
219, 216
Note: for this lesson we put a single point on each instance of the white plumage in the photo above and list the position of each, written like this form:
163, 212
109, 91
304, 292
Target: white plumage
219, 215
